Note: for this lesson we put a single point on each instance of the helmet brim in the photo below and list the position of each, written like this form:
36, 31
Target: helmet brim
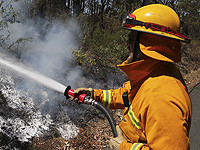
159, 33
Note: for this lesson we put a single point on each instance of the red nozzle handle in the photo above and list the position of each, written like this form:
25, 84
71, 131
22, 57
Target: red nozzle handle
70, 93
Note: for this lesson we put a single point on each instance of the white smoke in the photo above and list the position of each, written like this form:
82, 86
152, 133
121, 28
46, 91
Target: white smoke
47, 48
51, 53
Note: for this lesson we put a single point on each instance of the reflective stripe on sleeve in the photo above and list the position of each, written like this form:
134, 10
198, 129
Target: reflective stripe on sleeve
136, 146
133, 118
106, 98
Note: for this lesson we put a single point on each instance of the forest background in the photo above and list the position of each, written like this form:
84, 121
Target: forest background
100, 43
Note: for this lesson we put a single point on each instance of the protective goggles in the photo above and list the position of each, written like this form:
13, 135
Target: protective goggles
130, 21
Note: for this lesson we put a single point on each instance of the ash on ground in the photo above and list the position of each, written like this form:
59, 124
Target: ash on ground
31, 116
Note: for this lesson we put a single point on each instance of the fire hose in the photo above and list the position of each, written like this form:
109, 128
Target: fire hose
83, 98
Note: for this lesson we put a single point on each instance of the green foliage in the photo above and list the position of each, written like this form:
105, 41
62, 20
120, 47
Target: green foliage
190, 16
7, 15
18, 42
103, 46
189, 13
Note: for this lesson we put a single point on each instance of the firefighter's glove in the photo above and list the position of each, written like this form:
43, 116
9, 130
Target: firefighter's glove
74, 99
115, 142
88, 91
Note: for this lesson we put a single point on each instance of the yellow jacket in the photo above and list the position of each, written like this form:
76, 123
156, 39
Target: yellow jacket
159, 115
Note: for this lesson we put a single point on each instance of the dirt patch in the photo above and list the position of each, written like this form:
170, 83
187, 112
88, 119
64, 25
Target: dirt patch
93, 136
192, 78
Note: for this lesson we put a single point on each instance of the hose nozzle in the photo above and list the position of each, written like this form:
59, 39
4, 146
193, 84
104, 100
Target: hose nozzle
70, 93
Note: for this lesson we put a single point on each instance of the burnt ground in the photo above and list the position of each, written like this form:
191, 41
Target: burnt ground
95, 135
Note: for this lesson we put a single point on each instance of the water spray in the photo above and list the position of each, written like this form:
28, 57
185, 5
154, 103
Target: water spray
54, 85
32, 74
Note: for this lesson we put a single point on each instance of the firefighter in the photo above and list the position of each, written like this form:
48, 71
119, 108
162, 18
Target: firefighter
157, 107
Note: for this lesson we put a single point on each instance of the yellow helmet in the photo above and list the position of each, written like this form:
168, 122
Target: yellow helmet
155, 19
159, 26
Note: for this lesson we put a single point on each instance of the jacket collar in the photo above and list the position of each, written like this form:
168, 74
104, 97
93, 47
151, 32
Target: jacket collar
140, 71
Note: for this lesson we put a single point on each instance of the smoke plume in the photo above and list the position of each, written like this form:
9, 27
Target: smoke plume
47, 48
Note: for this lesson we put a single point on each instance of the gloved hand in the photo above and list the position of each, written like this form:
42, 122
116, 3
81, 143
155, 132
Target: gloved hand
88, 91
115, 142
